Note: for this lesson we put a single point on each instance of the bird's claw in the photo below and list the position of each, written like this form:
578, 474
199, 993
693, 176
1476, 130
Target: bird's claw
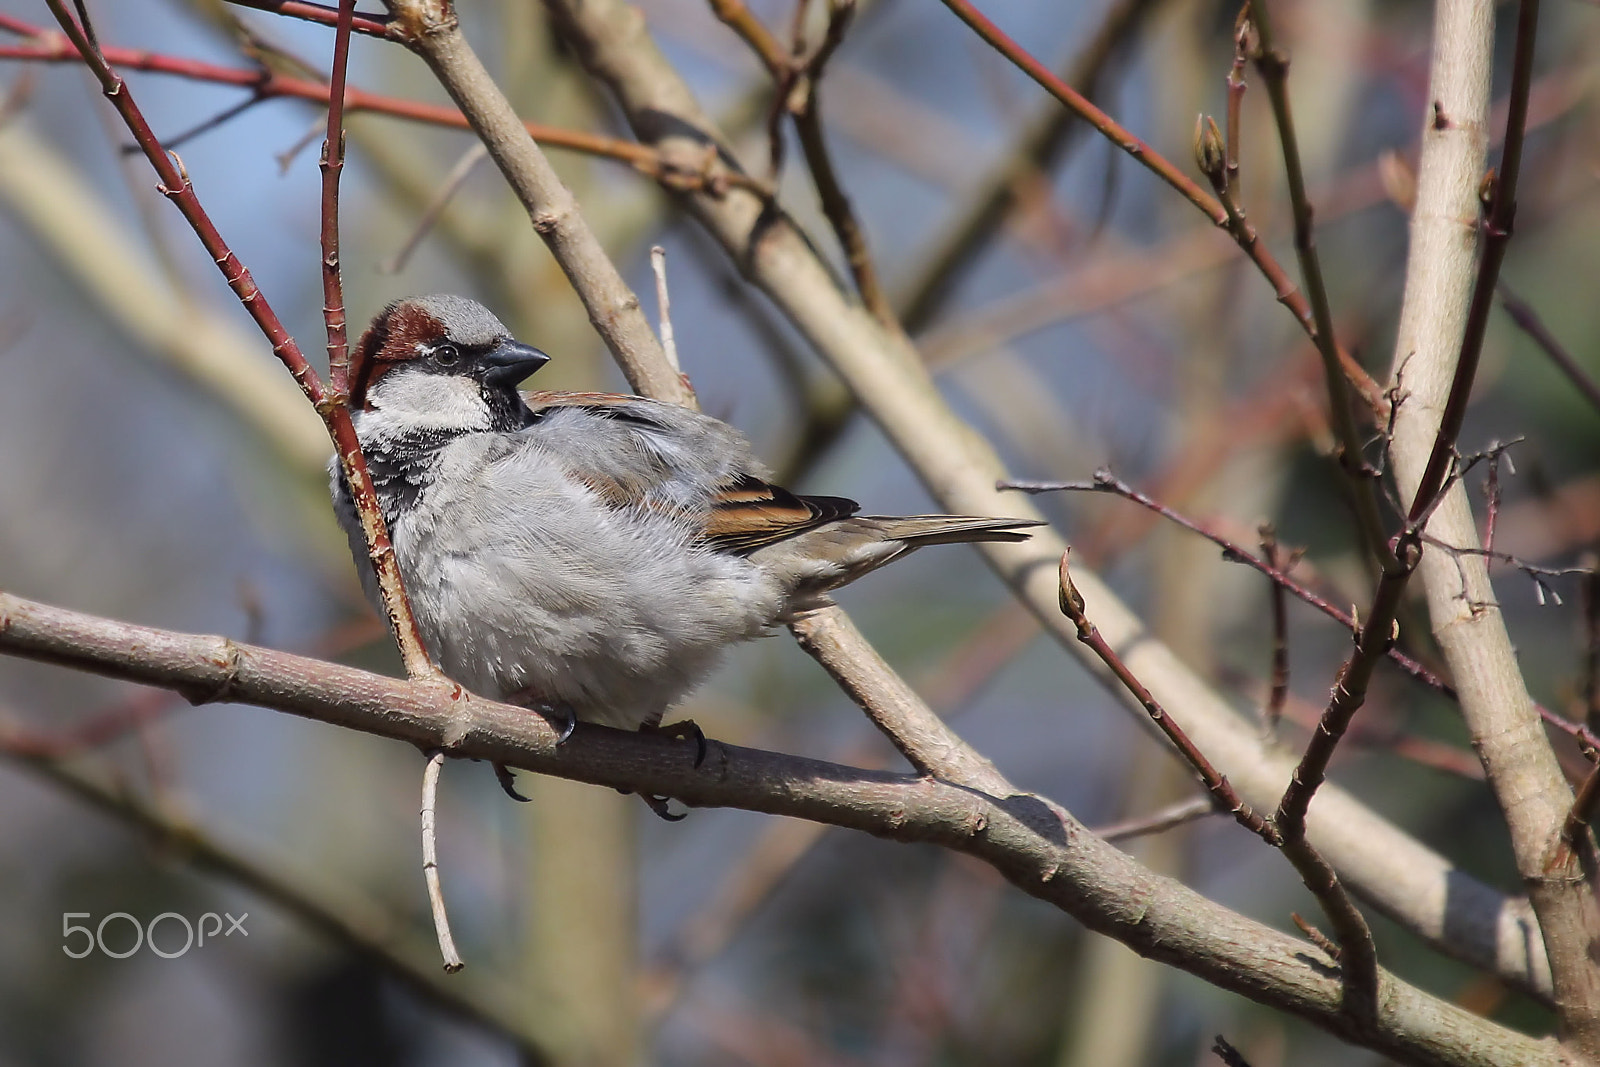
686, 730
564, 719
502, 774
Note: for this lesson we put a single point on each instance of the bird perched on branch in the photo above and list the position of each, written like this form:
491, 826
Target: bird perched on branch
586, 554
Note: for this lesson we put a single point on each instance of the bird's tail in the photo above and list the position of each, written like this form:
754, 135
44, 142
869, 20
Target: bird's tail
919, 530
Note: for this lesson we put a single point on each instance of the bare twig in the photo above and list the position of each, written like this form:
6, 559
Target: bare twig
332, 166
452, 184
175, 185
1502, 208
1222, 793
1173, 815
430, 863
1280, 633
739, 18
807, 109
1529, 322
678, 173
669, 344
1041, 146
371, 25
1359, 963
1106, 482
1274, 67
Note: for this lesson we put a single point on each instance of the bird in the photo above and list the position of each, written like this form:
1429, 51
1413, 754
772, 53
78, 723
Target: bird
587, 555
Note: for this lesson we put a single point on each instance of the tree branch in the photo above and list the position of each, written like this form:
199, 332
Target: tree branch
1036, 845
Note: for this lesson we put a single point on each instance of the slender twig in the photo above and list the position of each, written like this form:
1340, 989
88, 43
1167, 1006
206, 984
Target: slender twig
1216, 783
1529, 322
175, 185
430, 863
807, 109
1106, 482
1173, 815
49, 47
1590, 688
372, 25
669, 343
448, 188
1497, 226
1584, 806
1233, 121
1359, 964
332, 166
1039, 149
739, 18
1274, 68
1289, 296
1280, 634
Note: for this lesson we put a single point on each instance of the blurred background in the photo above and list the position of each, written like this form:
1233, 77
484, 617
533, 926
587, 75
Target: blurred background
157, 465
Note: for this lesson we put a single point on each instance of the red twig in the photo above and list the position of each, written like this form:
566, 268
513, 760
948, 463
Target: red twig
371, 25
332, 166
1163, 168
1216, 783
49, 47
1359, 961
175, 185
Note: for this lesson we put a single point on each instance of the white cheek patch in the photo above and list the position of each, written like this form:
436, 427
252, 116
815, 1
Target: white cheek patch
430, 401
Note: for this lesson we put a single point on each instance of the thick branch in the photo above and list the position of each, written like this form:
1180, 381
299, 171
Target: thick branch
1037, 846
1433, 337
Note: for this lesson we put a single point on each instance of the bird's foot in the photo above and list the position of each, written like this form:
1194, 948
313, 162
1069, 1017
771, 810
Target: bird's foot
685, 730
561, 715
563, 718
502, 774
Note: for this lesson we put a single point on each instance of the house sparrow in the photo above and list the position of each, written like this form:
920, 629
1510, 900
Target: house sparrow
587, 554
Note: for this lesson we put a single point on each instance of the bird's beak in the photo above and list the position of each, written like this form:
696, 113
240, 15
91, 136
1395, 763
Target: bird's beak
512, 361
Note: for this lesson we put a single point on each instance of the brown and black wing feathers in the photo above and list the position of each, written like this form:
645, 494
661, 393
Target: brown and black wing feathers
750, 513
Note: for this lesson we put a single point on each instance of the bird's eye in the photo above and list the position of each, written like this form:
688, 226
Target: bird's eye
447, 355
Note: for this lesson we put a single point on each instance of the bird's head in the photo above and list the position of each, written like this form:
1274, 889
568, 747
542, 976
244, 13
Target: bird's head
441, 357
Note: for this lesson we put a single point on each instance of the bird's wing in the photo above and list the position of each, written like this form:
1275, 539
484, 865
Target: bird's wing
750, 513
678, 461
